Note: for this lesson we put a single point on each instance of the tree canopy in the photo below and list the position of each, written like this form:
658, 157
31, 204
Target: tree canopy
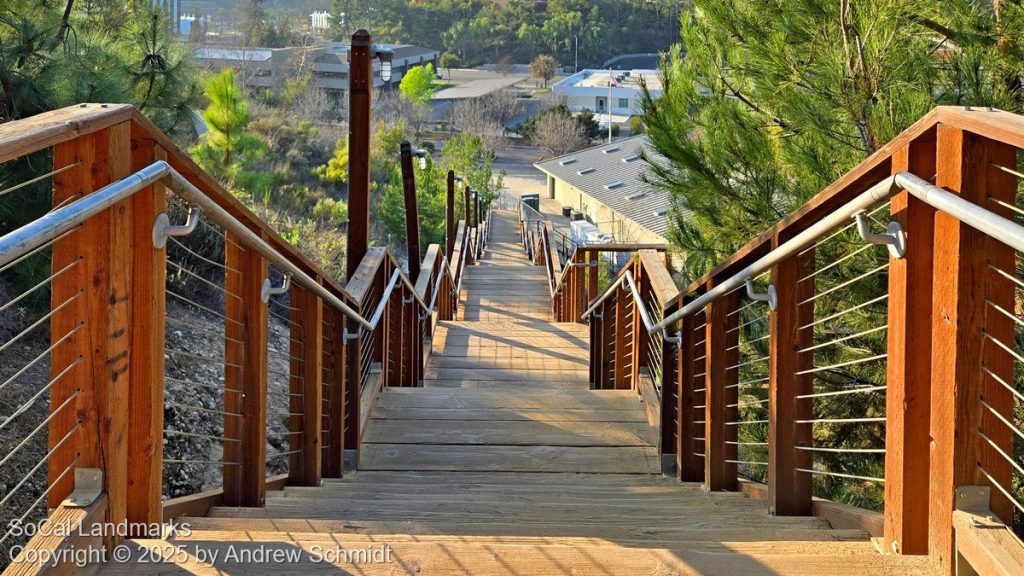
775, 113
418, 84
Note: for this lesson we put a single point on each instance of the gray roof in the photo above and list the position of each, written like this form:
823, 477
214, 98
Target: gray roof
612, 174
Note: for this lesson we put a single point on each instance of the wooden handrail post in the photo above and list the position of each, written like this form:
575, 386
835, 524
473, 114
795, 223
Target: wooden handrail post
623, 341
606, 375
689, 466
468, 207
412, 219
450, 216
353, 388
719, 382
307, 393
148, 303
359, 97
789, 491
908, 371
963, 316
96, 313
335, 382
245, 356
669, 392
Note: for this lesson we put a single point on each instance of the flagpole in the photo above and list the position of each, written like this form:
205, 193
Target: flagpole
610, 79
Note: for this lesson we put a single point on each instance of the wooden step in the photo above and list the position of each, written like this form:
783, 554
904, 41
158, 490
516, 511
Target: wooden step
498, 556
492, 399
510, 433
590, 459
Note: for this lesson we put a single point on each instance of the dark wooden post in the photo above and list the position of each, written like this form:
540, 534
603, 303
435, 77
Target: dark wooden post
623, 340
359, 100
467, 253
412, 220
789, 491
963, 289
307, 398
909, 363
689, 466
91, 331
245, 357
450, 216
719, 381
334, 380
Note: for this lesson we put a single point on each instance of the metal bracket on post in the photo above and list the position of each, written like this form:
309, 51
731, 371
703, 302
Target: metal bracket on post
349, 336
677, 339
894, 237
975, 501
771, 297
88, 487
162, 228
269, 290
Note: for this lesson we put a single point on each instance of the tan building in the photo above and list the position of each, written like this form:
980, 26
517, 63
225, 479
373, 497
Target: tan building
605, 184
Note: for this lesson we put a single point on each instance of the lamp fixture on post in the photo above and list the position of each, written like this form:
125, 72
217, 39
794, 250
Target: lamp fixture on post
385, 56
422, 155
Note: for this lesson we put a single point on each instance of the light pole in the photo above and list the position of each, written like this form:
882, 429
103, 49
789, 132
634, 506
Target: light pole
361, 55
610, 79
576, 66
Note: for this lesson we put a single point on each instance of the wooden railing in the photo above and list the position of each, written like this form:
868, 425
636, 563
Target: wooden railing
924, 350
303, 348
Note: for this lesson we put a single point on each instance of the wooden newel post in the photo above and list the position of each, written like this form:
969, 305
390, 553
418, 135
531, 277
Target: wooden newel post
450, 216
789, 491
305, 467
468, 201
689, 466
334, 388
967, 363
245, 377
91, 331
720, 378
909, 363
359, 97
412, 220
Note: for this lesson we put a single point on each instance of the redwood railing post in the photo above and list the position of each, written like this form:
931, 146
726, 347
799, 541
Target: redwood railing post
908, 370
623, 340
306, 370
94, 325
468, 207
964, 315
335, 383
719, 381
245, 371
789, 490
412, 220
148, 303
669, 391
689, 466
450, 216
359, 97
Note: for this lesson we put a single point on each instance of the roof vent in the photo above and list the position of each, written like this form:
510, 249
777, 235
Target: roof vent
612, 149
614, 185
586, 171
661, 212
636, 195
568, 161
629, 159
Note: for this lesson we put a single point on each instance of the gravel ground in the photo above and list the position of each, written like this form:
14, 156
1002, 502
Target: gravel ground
195, 387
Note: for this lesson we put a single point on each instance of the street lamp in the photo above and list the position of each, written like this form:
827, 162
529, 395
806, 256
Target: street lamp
422, 155
385, 56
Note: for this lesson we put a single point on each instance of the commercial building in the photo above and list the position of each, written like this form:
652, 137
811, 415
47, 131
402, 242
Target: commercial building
606, 185
269, 68
601, 91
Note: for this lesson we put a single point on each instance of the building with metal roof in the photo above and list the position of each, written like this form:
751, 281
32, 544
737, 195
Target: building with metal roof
605, 183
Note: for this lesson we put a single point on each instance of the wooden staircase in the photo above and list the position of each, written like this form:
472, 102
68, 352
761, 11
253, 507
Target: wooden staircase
505, 462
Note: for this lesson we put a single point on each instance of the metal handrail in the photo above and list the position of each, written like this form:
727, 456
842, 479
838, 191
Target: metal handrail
549, 267
22, 240
1002, 229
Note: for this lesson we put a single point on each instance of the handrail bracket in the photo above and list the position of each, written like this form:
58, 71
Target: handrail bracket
162, 228
269, 290
770, 296
894, 238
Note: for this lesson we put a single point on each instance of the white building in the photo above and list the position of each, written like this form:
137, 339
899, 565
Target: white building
599, 90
